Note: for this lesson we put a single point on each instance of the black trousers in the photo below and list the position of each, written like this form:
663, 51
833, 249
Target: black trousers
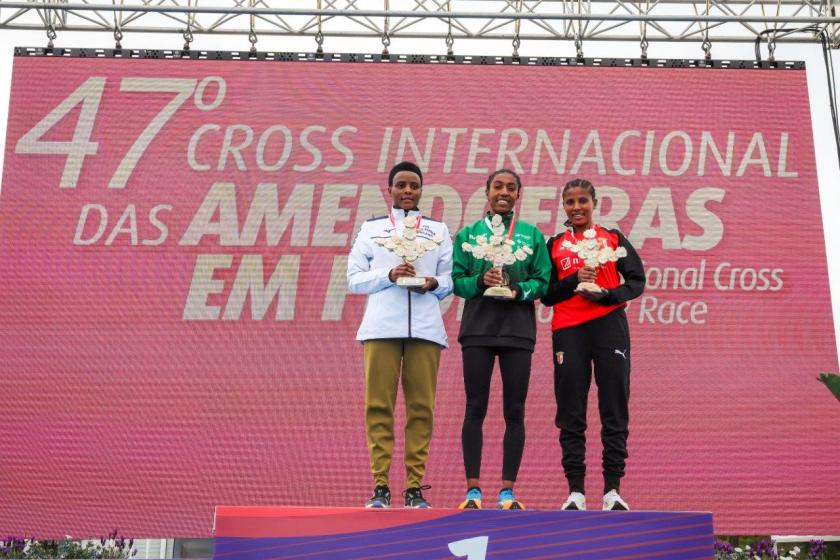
515, 365
604, 343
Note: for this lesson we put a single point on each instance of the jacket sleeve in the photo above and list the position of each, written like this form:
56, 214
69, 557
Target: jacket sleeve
444, 266
558, 289
633, 272
466, 285
361, 278
539, 271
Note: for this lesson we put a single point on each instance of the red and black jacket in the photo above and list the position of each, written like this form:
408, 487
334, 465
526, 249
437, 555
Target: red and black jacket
572, 309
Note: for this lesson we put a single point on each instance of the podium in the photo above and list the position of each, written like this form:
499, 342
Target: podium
353, 533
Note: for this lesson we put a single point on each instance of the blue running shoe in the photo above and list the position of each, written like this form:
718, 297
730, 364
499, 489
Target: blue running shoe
473, 500
508, 501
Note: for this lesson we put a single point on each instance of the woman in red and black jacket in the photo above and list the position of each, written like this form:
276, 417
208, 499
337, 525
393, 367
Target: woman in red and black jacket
590, 328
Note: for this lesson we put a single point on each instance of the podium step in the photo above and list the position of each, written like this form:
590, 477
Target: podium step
353, 533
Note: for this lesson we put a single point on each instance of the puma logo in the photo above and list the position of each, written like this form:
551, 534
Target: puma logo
620, 353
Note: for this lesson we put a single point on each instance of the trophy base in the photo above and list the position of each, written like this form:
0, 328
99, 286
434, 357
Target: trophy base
411, 281
499, 292
590, 287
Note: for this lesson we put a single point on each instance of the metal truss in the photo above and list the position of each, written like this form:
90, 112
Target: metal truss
445, 21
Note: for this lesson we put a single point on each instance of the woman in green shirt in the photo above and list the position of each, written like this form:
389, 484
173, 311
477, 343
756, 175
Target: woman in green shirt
498, 327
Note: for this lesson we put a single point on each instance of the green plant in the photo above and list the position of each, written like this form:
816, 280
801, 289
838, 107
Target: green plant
832, 381
112, 546
767, 549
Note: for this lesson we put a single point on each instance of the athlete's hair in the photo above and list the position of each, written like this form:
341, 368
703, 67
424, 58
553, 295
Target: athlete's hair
583, 184
404, 166
499, 172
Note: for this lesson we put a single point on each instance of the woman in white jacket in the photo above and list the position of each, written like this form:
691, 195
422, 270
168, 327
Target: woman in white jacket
402, 330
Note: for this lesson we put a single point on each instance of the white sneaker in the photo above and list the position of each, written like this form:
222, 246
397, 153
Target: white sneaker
575, 501
613, 502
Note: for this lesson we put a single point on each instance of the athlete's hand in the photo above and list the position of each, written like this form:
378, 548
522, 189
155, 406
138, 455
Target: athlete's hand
587, 274
593, 296
404, 269
493, 277
431, 284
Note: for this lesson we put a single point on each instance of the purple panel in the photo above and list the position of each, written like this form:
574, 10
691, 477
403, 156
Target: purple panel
525, 534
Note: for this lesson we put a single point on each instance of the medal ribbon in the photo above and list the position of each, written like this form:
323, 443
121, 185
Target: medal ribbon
510, 229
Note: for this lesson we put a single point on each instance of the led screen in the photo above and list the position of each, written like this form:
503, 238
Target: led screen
175, 331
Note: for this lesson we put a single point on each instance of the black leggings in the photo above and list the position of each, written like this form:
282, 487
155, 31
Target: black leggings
515, 365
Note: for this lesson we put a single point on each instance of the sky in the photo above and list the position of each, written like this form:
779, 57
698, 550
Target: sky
828, 169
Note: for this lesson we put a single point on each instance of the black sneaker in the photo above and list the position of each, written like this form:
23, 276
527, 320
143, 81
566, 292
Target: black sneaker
414, 498
381, 498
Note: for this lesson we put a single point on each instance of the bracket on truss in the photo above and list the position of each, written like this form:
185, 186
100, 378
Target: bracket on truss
834, 28
550, 20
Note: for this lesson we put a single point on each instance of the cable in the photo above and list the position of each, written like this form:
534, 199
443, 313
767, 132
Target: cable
828, 59
832, 89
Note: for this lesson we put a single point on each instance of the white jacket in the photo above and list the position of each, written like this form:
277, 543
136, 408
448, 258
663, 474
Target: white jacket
394, 312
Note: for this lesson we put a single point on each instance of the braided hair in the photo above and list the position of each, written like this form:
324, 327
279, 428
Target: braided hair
579, 184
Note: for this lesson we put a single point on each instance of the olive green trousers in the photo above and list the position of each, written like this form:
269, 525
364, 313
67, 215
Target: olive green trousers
387, 361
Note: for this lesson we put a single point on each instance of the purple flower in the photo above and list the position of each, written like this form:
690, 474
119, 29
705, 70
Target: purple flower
18, 544
723, 547
816, 547
765, 548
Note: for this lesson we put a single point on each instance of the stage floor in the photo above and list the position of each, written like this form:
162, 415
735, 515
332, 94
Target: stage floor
351, 533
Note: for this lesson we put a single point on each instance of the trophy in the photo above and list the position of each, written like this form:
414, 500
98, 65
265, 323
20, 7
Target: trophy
593, 254
499, 251
410, 248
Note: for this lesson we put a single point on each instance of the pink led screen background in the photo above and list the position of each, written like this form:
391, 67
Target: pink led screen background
145, 379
